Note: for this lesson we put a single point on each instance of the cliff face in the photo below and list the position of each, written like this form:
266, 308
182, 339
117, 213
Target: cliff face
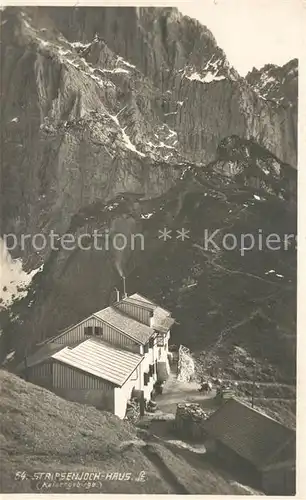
71, 132
93, 97
204, 98
111, 118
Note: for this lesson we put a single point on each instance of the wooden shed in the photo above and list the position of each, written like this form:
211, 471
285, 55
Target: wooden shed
254, 446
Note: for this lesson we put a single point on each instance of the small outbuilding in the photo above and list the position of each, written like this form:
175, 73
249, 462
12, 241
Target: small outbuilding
254, 446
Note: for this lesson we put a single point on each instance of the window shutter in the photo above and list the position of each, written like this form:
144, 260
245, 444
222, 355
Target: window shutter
98, 331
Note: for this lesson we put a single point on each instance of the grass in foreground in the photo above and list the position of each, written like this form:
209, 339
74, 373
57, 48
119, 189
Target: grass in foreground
41, 432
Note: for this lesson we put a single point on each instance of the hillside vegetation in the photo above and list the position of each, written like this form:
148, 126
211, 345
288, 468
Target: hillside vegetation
41, 432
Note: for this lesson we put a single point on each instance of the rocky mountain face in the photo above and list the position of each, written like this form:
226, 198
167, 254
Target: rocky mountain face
131, 120
277, 84
100, 101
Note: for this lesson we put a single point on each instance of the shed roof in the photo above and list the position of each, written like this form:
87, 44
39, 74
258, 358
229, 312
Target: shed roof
100, 359
41, 355
163, 324
162, 319
289, 464
147, 303
131, 327
248, 432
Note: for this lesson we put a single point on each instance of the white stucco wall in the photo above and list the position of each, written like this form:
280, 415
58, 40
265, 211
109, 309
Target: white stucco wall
147, 389
123, 394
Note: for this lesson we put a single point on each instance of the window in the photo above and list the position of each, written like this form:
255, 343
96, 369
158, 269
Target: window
160, 340
146, 348
151, 370
145, 378
88, 330
151, 343
98, 331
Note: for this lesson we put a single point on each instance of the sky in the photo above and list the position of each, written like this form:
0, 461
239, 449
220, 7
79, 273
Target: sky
252, 32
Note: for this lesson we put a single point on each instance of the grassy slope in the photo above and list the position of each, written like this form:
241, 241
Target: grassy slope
43, 433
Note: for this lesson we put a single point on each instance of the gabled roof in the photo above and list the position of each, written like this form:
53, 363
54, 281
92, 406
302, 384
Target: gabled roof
100, 359
137, 331
248, 432
66, 330
128, 325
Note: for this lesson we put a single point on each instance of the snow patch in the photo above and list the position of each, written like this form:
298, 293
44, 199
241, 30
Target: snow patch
14, 280
172, 133
80, 45
112, 207
9, 357
129, 145
64, 52
163, 145
123, 61
265, 171
116, 70
256, 197
208, 78
43, 43
146, 216
126, 139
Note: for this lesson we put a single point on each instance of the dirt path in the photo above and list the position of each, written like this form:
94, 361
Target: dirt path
212, 257
182, 392
263, 384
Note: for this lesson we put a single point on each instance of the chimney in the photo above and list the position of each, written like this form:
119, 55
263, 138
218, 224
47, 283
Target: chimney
118, 294
124, 288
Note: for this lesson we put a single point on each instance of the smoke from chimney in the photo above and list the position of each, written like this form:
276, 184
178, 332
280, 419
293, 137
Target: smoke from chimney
119, 268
